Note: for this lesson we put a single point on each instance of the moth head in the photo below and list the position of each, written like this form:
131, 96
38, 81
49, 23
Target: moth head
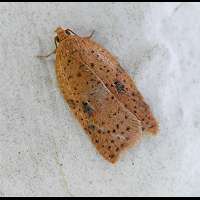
62, 34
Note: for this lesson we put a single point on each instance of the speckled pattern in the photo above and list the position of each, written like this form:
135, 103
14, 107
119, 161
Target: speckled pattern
101, 95
43, 151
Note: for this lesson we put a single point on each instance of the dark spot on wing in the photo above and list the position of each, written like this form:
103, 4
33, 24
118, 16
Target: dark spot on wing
92, 127
119, 86
70, 77
78, 74
87, 109
71, 103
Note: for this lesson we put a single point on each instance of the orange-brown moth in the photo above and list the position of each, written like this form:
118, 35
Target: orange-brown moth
101, 94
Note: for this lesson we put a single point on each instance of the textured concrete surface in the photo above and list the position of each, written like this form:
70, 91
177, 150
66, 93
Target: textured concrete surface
44, 151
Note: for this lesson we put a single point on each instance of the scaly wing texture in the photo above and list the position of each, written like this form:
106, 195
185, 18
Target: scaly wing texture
118, 82
111, 127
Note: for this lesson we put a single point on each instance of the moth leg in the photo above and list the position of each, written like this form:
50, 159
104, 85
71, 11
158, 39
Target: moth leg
91, 35
56, 41
49, 54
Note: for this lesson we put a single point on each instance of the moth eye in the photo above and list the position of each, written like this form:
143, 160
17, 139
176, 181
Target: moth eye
67, 32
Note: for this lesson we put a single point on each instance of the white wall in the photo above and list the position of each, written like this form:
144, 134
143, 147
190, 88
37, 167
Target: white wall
44, 151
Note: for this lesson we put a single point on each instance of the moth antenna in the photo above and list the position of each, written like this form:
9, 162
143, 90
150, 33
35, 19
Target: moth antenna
56, 41
69, 30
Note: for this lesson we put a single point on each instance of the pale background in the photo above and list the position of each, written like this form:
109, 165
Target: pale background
45, 152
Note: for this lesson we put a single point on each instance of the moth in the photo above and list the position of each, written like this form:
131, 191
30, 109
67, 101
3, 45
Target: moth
101, 94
